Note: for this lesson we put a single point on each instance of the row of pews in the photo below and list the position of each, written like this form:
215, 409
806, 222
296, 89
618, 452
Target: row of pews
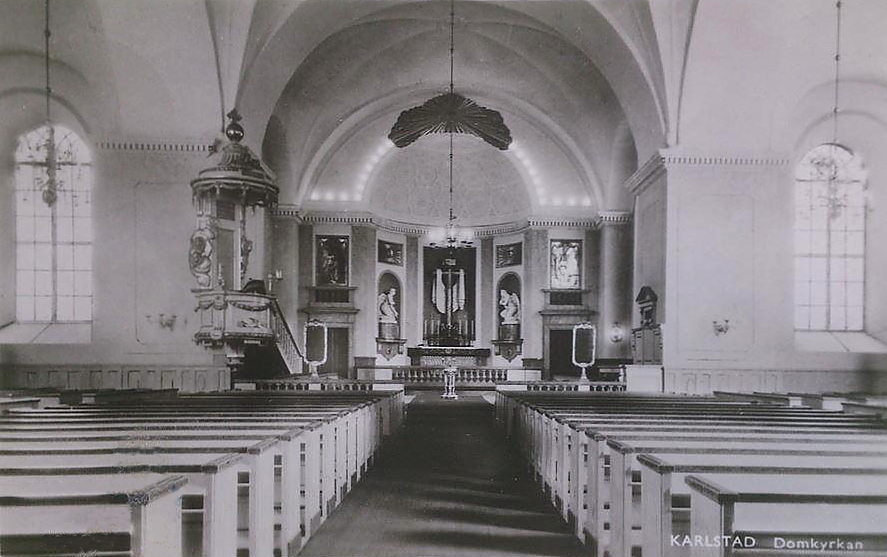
235, 474
674, 476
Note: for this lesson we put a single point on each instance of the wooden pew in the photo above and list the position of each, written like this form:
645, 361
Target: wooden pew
785, 515
666, 497
182, 430
558, 447
123, 514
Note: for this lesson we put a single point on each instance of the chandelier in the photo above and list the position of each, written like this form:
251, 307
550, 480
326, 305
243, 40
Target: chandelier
829, 167
51, 184
451, 113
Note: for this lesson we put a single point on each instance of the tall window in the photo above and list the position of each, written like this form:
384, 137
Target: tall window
829, 240
53, 240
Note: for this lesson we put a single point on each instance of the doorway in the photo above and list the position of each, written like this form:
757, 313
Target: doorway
337, 352
560, 350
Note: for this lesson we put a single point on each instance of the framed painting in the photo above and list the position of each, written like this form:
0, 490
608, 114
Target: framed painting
508, 255
331, 263
566, 264
390, 253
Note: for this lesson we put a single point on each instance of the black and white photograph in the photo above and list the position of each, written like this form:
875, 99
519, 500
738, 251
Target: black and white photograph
443, 278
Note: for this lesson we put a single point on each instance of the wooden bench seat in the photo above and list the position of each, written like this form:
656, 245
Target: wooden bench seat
772, 512
133, 514
665, 496
292, 457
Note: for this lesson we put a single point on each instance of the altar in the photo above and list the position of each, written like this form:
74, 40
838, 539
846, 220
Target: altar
457, 356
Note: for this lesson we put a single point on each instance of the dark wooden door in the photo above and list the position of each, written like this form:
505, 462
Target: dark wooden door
560, 351
337, 352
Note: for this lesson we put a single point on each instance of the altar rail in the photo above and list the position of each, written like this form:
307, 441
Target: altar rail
466, 376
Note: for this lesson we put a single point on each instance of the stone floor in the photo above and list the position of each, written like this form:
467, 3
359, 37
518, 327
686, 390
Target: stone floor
448, 485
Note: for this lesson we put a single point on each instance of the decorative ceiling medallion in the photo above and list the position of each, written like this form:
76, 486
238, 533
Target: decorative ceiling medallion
450, 113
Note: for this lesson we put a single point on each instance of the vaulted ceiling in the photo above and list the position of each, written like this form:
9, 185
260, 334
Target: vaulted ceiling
589, 88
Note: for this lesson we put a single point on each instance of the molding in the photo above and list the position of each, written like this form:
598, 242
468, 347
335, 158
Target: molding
708, 160
287, 211
646, 175
565, 222
614, 218
155, 146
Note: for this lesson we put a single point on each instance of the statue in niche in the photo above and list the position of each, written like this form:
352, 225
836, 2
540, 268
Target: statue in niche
510, 303
200, 255
387, 306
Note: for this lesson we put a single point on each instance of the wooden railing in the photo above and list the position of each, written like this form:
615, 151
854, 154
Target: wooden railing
285, 341
564, 386
419, 375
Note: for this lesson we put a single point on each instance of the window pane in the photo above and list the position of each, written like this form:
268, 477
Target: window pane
43, 229
82, 309
43, 282
24, 308
81, 204
817, 268
82, 283
817, 293
65, 283
855, 294
64, 230
838, 242
802, 293
65, 308
837, 269
802, 242
83, 257
819, 240
24, 229
855, 243
63, 206
43, 256
802, 317
855, 269
802, 269
817, 318
64, 257
24, 282
43, 308
82, 230
838, 321
837, 293
24, 256
854, 318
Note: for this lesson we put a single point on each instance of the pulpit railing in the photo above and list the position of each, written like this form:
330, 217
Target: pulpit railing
287, 347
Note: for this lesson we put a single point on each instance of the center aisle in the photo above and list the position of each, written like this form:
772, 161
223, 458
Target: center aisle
448, 485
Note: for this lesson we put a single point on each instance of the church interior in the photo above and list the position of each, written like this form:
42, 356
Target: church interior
570, 277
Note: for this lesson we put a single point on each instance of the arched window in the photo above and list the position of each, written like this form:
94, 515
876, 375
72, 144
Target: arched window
829, 240
53, 238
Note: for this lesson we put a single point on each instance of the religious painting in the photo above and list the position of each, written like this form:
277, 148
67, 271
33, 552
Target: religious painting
331, 263
566, 264
508, 255
390, 253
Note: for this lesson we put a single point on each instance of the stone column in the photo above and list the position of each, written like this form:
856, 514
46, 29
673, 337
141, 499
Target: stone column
535, 279
615, 289
363, 276
484, 320
411, 303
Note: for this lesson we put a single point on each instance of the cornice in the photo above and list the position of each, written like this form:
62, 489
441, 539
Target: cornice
614, 218
563, 222
156, 146
646, 175
675, 159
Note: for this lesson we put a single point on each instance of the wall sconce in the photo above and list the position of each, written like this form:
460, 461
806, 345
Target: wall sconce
272, 278
165, 321
617, 333
721, 327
